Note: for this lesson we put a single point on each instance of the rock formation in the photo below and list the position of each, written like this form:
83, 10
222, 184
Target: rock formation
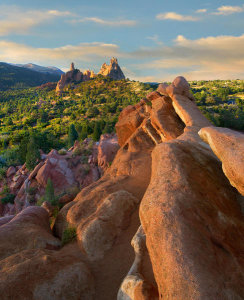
69, 170
164, 180
71, 77
74, 76
87, 75
228, 146
113, 70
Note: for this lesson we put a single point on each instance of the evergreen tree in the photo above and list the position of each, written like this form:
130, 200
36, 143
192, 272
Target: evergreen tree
33, 154
84, 132
73, 135
96, 132
49, 193
106, 129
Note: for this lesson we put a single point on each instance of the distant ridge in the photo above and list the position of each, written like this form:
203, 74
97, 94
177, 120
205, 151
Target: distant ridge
41, 69
14, 77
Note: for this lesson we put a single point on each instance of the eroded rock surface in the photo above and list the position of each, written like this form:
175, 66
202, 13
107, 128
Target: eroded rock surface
228, 146
70, 77
112, 70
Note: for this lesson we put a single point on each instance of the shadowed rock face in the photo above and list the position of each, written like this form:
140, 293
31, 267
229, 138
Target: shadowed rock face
190, 239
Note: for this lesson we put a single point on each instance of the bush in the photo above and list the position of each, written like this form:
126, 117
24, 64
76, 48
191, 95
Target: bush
33, 154
49, 193
9, 198
3, 171
69, 235
62, 152
72, 135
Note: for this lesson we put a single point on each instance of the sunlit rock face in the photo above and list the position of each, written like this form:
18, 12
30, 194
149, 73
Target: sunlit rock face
112, 70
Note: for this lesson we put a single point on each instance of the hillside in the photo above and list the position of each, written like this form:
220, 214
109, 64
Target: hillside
94, 106
41, 69
13, 77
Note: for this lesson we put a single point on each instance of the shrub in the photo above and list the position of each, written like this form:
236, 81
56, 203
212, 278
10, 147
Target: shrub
3, 171
62, 152
49, 193
33, 154
72, 135
40, 201
9, 198
31, 190
69, 235
77, 151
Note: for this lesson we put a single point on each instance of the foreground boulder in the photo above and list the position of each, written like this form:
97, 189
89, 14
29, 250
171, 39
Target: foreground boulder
191, 216
228, 146
31, 263
28, 230
45, 274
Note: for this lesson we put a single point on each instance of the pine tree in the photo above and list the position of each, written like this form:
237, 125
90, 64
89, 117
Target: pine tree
96, 132
73, 135
33, 154
49, 192
106, 128
84, 132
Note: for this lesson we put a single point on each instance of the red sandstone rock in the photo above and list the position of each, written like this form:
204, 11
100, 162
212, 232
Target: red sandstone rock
45, 274
113, 70
11, 171
28, 230
228, 146
107, 149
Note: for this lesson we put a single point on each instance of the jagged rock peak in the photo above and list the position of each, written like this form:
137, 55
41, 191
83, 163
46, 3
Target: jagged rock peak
72, 66
72, 76
113, 70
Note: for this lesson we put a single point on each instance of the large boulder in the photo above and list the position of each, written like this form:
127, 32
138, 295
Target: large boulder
107, 149
228, 146
45, 275
191, 216
29, 229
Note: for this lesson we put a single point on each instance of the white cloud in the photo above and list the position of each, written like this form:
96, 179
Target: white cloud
119, 22
201, 11
176, 17
218, 57
59, 13
227, 10
17, 21
20, 53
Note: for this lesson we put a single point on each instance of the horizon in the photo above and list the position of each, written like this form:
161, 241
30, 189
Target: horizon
153, 43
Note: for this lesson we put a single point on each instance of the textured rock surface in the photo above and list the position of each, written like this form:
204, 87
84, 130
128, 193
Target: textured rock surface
45, 275
107, 149
113, 70
191, 216
135, 285
72, 76
28, 230
228, 146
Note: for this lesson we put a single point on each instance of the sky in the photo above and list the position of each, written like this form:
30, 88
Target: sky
153, 40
